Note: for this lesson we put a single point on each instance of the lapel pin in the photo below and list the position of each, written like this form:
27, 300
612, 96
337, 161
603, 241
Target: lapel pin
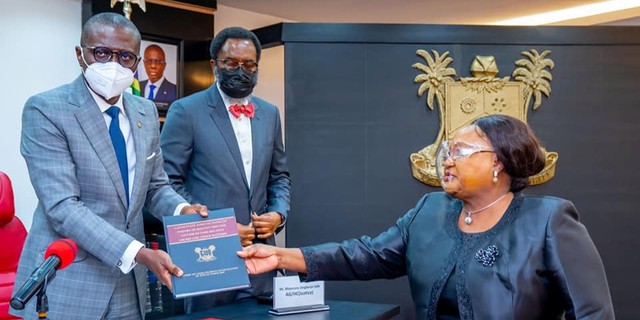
139, 124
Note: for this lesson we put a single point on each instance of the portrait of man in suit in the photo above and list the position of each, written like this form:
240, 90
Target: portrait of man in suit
157, 86
223, 147
94, 160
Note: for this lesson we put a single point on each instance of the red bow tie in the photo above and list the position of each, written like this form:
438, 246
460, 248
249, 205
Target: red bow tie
238, 109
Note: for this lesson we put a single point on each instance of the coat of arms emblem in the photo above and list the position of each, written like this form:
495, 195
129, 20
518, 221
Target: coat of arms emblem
205, 254
461, 102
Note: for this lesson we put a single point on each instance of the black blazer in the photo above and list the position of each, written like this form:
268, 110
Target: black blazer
546, 265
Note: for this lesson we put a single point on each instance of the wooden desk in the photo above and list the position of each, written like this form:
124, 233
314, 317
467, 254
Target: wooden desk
339, 310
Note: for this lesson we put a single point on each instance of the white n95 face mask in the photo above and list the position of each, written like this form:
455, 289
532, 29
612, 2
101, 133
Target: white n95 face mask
108, 79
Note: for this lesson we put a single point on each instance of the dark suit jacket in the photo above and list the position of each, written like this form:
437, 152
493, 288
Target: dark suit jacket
546, 263
75, 174
203, 161
166, 92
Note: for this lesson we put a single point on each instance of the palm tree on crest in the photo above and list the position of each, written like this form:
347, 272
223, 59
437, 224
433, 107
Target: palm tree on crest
436, 73
534, 74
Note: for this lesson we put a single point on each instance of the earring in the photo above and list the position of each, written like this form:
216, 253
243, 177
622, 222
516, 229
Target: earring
495, 176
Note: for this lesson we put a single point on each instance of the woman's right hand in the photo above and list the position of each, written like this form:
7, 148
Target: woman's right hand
259, 258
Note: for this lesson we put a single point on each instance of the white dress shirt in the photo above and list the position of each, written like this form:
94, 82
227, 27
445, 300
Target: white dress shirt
125, 127
127, 260
147, 88
242, 130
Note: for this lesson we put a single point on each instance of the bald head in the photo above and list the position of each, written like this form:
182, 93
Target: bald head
108, 21
154, 62
155, 50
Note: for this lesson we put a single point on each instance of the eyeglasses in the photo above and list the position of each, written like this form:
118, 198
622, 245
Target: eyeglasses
154, 61
458, 150
233, 64
126, 59
455, 151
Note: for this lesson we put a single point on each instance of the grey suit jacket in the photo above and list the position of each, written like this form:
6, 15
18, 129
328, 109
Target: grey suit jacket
75, 174
203, 161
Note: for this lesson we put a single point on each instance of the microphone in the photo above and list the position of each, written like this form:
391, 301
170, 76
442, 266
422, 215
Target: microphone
59, 255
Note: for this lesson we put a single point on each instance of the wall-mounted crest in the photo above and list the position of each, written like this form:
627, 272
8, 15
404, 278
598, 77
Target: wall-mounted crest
461, 102
126, 6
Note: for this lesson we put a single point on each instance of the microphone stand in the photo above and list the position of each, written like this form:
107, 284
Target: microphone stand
42, 305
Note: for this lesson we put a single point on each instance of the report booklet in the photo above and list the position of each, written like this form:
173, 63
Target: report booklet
205, 249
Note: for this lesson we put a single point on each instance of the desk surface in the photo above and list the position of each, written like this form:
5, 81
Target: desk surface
251, 310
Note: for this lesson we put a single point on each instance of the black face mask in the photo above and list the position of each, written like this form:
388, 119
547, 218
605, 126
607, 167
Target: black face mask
238, 83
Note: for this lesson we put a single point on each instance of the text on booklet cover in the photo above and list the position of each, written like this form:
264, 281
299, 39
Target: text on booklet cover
205, 249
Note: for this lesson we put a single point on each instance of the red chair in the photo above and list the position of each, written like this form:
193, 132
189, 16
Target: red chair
12, 233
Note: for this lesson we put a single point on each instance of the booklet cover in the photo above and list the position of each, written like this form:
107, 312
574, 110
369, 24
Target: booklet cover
205, 249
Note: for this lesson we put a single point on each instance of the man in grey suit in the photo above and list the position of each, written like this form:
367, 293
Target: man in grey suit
94, 160
223, 148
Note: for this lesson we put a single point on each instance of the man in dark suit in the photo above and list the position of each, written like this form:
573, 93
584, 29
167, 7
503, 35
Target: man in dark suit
94, 160
157, 87
223, 148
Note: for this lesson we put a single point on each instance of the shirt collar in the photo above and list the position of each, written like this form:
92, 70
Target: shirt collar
103, 105
157, 83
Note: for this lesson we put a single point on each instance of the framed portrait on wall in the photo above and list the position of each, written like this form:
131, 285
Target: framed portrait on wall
160, 71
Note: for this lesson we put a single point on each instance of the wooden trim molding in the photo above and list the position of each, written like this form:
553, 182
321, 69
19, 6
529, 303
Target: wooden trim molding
183, 6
